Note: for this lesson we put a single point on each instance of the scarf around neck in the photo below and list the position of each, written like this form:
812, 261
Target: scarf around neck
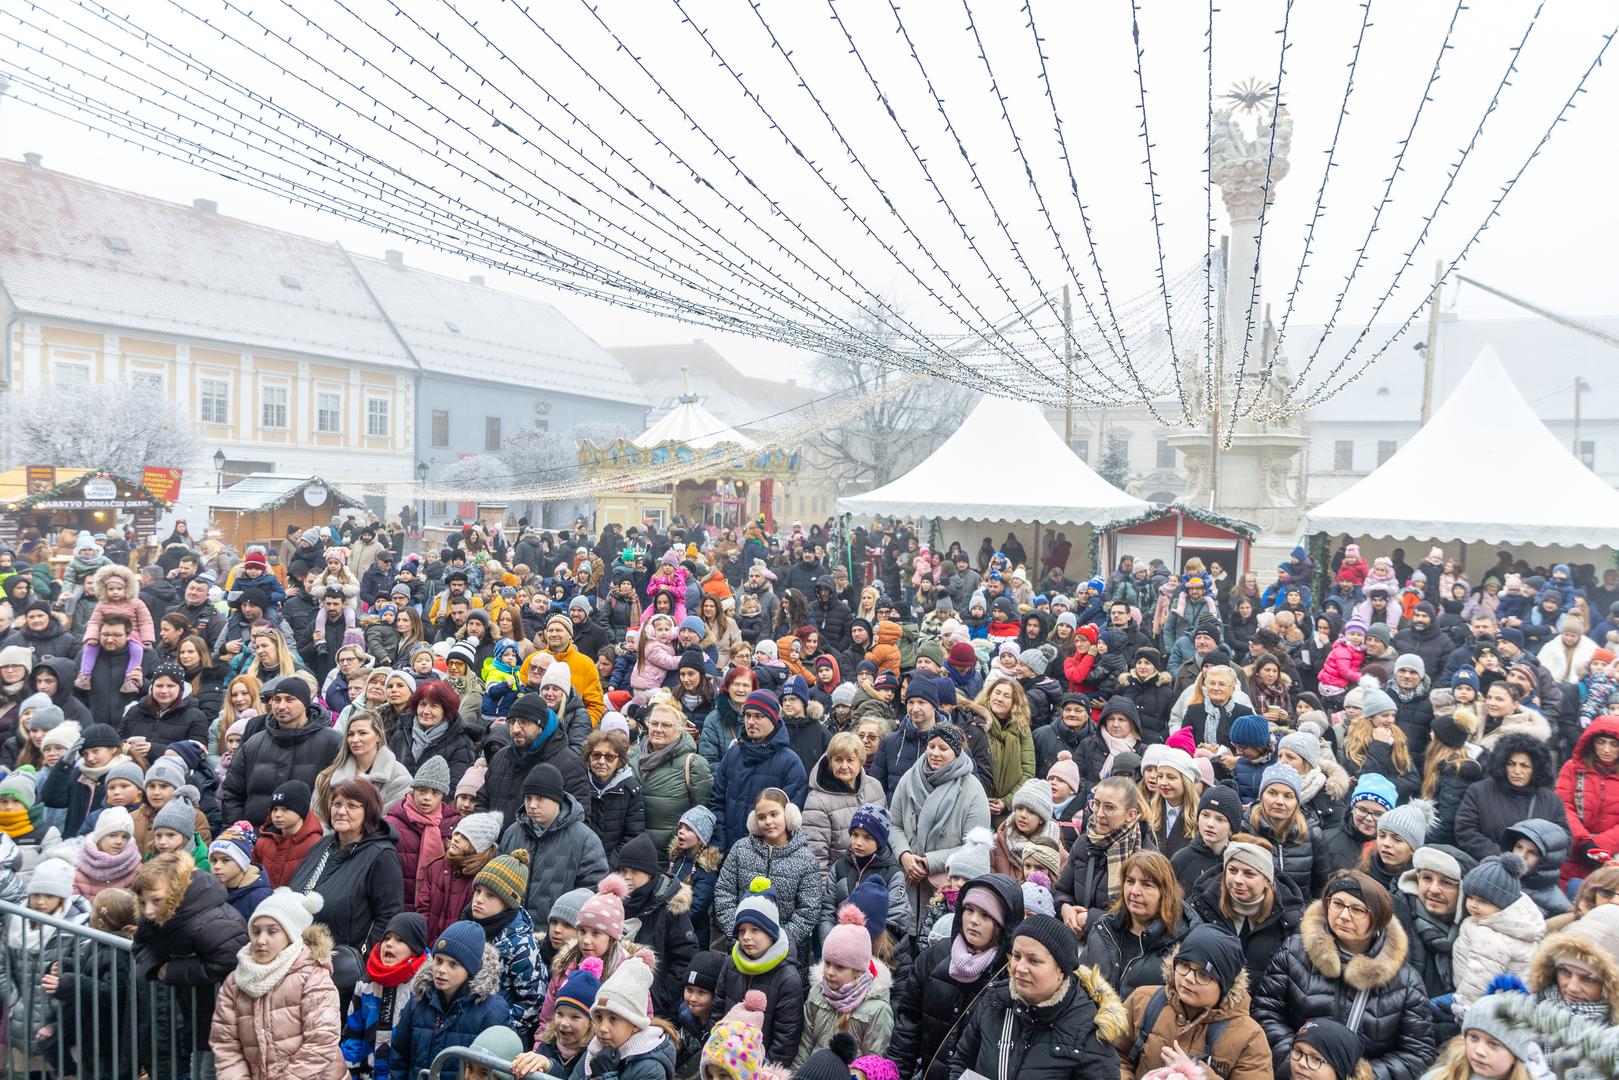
1115, 747
15, 823
967, 966
432, 845
99, 866
651, 759
392, 975
1118, 846
766, 963
849, 998
422, 738
255, 979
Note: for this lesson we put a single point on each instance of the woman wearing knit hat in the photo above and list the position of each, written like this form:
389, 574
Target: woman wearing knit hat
1347, 963
1048, 1018
1278, 816
600, 934
277, 1014
497, 907
627, 1043
1501, 931
1373, 796
79, 789
848, 992
936, 804
453, 998
1196, 1012
1323, 783
1170, 807
1520, 784
950, 975
1248, 898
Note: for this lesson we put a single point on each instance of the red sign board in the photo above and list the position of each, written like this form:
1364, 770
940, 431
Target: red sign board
41, 478
164, 484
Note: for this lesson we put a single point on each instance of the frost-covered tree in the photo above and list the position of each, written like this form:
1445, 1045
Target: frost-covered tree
118, 427
530, 457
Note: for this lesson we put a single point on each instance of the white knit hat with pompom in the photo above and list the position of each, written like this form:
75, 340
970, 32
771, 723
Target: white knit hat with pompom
295, 911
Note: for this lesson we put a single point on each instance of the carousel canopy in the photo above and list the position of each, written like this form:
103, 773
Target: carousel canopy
692, 425
1510, 480
969, 478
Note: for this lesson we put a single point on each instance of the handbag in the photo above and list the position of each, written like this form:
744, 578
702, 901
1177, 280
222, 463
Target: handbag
347, 961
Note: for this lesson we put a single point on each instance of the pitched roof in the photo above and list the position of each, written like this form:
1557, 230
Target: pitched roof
691, 424
264, 491
75, 250
460, 328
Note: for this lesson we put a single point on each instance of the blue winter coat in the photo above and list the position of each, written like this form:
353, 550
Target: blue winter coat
747, 769
429, 1024
244, 898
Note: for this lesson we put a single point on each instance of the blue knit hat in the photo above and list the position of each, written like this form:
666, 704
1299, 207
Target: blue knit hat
579, 989
463, 942
1464, 675
871, 897
873, 818
1377, 788
1250, 730
759, 909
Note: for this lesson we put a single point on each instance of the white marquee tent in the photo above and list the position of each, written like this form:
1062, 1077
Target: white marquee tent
972, 478
1483, 469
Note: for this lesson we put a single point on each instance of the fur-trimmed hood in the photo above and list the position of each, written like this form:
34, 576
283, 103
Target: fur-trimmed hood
882, 983
1112, 1022
709, 858
1160, 678
1518, 742
483, 985
1339, 781
132, 584
1543, 973
318, 940
1368, 972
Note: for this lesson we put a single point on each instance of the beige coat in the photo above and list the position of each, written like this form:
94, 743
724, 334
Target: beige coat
292, 1032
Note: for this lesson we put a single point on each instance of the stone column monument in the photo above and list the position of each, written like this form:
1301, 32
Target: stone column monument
1259, 476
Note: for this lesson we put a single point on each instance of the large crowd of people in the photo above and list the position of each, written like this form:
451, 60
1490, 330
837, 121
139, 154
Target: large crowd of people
656, 804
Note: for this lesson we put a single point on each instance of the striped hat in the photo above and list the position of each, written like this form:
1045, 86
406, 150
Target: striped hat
506, 876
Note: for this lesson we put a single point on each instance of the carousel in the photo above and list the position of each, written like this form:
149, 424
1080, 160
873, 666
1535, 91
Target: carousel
742, 480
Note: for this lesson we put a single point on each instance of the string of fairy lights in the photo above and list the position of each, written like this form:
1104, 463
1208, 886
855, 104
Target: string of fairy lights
757, 200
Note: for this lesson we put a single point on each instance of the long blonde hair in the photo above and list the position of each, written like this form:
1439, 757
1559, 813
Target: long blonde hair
1440, 759
285, 664
1155, 806
1359, 740
227, 715
1453, 1063
1018, 719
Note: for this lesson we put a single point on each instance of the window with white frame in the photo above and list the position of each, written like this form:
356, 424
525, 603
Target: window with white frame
213, 401
328, 412
376, 417
71, 373
273, 406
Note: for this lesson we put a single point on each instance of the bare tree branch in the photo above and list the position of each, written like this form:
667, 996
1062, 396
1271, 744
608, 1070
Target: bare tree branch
118, 427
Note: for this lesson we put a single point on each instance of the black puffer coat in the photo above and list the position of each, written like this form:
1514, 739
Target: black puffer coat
1008, 1039
362, 884
1153, 699
930, 1006
1311, 978
146, 719
1259, 942
1345, 843
503, 786
1056, 737
1305, 861
1430, 941
662, 908
1127, 961
272, 756
784, 1011
195, 945
830, 615
457, 746
617, 812
1191, 863
1491, 806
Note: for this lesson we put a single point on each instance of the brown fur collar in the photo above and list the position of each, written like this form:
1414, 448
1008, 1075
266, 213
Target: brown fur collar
318, 939
1163, 678
709, 858
1542, 969
482, 985
1361, 972
1235, 1001
1338, 781
680, 902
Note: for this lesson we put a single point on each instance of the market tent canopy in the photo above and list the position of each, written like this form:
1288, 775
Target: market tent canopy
971, 477
691, 425
1502, 478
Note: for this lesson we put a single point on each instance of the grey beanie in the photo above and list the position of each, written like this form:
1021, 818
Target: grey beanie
844, 694
701, 820
37, 700
1305, 745
179, 814
46, 717
565, 908
166, 770
1490, 1015
1374, 702
126, 769
434, 774
1408, 822
1495, 880
1411, 661
1035, 660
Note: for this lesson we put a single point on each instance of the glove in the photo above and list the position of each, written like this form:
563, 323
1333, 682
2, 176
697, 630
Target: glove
1443, 1002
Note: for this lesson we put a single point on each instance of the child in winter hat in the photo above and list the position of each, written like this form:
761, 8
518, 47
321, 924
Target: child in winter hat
109, 859
497, 907
736, 1048
1502, 929
848, 992
1030, 818
380, 994
763, 957
599, 926
445, 886
498, 1042
174, 828
971, 860
1400, 832
1037, 898
623, 1005
19, 815
1493, 1045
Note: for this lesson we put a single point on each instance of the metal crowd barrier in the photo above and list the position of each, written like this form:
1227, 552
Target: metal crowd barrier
103, 1021
466, 1054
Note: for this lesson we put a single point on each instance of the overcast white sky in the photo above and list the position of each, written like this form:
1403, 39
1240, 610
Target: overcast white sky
1553, 244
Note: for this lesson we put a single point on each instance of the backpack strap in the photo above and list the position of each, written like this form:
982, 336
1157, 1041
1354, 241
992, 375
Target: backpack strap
1149, 1020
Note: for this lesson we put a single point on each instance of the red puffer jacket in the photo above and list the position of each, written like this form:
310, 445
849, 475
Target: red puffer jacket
1590, 794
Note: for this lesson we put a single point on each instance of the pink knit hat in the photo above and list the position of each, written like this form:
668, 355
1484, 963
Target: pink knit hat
1183, 739
605, 910
848, 944
873, 1067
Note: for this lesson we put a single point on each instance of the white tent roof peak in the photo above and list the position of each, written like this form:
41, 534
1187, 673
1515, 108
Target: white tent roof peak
970, 478
1503, 478
689, 423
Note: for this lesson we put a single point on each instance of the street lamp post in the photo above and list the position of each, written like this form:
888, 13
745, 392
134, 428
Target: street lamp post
421, 498
219, 471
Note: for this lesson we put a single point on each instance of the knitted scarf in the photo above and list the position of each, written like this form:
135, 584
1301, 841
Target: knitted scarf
432, 846
848, 999
774, 955
97, 865
422, 739
15, 823
1119, 845
651, 759
255, 979
1590, 1010
391, 975
967, 966
1115, 747
1311, 784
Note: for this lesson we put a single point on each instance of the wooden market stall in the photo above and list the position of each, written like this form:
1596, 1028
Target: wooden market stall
1174, 533
258, 508
51, 498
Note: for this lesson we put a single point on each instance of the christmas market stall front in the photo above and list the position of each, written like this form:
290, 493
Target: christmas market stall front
1174, 533
259, 507
51, 498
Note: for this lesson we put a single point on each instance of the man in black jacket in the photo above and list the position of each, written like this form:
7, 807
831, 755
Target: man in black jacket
1423, 637
379, 577
106, 697
158, 593
204, 618
537, 736
589, 634
38, 630
830, 615
295, 742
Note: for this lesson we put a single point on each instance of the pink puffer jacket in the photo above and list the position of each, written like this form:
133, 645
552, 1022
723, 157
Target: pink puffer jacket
292, 1032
